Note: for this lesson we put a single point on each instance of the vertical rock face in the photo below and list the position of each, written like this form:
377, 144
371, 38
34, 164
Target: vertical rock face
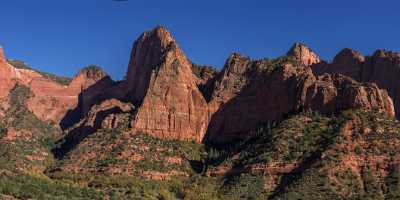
275, 89
382, 68
147, 54
303, 54
330, 94
89, 84
161, 78
266, 96
86, 89
6, 76
231, 80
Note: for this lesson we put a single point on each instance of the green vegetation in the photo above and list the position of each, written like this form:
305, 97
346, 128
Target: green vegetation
31, 148
151, 152
92, 69
305, 156
203, 71
27, 186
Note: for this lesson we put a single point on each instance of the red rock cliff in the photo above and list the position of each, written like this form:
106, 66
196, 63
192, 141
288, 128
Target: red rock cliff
382, 68
160, 79
255, 92
51, 100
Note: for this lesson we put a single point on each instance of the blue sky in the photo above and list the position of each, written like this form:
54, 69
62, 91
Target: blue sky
62, 36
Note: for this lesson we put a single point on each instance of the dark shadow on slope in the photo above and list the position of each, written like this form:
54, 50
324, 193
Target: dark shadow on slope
102, 90
197, 166
252, 106
77, 135
86, 99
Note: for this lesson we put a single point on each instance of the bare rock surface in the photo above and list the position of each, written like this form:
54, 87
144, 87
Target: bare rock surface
161, 79
382, 68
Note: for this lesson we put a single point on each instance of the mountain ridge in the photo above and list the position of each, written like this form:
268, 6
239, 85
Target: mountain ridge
292, 127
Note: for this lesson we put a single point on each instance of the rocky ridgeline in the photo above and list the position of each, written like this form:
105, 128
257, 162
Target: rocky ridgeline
50, 100
169, 101
382, 68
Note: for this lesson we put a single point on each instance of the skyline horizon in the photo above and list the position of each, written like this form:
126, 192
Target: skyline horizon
62, 37
218, 68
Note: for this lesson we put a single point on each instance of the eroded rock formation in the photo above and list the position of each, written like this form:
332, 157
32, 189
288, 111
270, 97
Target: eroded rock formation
51, 100
382, 68
161, 80
303, 54
250, 93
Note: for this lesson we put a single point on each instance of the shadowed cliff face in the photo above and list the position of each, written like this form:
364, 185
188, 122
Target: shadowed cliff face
89, 85
382, 68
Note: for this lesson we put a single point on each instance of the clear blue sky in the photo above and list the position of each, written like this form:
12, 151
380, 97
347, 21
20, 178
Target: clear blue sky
61, 36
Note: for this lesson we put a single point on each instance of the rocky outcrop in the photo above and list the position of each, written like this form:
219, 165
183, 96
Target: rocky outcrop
382, 68
163, 86
147, 55
303, 54
51, 100
272, 90
204, 73
6, 83
330, 94
109, 114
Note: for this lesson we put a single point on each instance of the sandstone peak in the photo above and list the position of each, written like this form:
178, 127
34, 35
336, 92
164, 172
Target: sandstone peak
235, 58
348, 56
92, 72
304, 54
384, 53
147, 54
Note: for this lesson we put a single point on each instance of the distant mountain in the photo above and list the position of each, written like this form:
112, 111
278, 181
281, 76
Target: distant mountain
292, 127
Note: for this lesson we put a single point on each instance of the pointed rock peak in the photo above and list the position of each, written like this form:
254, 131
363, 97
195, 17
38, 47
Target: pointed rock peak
158, 38
304, 54
237, 55
234, 61
234, 58
162, 33
88, 76
92, 71
379, 53
148, 51
384, 53
298, 46
347, 56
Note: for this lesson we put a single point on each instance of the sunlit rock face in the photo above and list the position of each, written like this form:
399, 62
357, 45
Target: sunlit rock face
162, 84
